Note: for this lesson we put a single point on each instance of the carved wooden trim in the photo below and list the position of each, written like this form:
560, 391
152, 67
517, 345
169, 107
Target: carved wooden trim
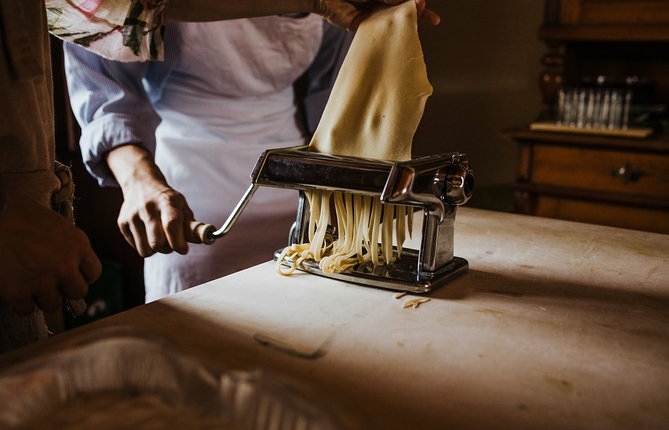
551, 79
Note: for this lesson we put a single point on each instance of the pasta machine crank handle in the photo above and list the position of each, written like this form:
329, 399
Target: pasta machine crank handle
199, 232
207, 233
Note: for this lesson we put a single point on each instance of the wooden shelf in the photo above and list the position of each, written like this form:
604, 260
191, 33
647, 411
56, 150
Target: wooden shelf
658, 144
552, 127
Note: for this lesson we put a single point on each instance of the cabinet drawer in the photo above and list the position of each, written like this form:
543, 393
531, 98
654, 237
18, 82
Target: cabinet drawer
619, 172
602, 213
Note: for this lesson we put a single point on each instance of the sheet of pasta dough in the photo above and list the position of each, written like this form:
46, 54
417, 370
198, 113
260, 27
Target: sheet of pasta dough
379, 96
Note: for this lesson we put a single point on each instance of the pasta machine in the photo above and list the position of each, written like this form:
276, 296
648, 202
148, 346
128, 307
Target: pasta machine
436, 184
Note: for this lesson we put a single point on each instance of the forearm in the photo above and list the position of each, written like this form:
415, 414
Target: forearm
215, 10
132, 164
154, 217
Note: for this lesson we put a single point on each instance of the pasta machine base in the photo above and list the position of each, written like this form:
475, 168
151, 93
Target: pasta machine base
399, 276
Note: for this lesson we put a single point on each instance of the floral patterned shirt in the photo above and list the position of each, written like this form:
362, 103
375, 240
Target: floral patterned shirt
122, 30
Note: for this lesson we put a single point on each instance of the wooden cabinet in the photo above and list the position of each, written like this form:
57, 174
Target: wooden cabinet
602, 180
599, 177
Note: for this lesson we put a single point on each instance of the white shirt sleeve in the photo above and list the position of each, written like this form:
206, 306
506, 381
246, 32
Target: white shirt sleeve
111, 106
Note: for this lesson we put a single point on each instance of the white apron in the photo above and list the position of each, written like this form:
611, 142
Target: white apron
228, 98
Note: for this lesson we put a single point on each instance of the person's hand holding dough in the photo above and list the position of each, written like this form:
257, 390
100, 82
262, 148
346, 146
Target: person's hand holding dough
350, 14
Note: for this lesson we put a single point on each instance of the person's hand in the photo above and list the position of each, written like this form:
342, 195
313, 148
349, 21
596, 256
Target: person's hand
350, 13
154, 217
43, 257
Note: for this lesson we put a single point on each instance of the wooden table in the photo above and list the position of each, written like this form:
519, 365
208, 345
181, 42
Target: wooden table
556, 325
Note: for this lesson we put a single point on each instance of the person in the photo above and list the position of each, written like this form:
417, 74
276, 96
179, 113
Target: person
44, 258
182, 136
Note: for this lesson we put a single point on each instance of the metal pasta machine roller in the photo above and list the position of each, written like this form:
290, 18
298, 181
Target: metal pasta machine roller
436, 184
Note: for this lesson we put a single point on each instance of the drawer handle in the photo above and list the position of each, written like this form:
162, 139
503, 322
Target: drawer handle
627, 173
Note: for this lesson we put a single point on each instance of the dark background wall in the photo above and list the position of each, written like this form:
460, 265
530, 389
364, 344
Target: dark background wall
483, 62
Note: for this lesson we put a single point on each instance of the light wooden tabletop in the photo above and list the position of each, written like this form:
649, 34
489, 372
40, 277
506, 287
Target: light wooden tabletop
556, 325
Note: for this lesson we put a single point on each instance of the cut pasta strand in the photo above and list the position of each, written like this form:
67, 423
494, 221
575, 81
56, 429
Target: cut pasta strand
360, 220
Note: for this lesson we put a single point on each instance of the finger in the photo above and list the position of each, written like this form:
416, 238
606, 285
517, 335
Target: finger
90, 267
46, 295
73, 287
432, 17
361, 15
429, 15
173, 223
77, 307
355, 22
88, 262
127, 233
155, 235
48, 299
139, 238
